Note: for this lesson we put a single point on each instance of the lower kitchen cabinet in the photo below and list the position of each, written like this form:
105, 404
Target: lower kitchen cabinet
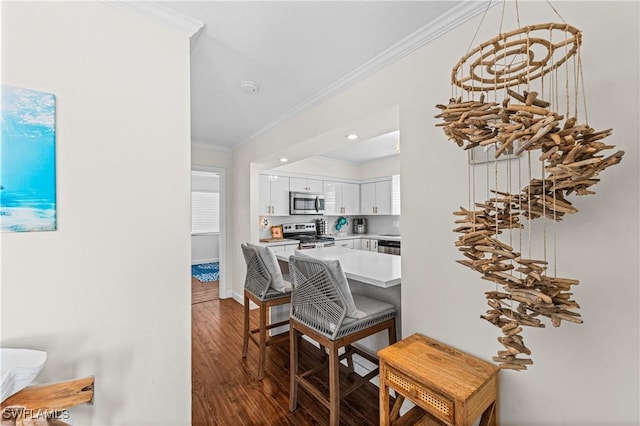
370, 245
286, 249
345, 243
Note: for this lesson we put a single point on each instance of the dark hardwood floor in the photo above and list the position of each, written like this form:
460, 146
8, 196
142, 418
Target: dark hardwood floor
203, 292
224, 387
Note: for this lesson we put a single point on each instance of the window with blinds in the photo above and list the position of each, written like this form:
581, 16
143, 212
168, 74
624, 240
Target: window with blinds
205, 203
205, 212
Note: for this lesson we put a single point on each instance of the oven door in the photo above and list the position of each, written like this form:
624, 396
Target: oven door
306, 203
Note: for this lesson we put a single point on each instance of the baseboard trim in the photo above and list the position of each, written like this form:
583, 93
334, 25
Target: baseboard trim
200, 261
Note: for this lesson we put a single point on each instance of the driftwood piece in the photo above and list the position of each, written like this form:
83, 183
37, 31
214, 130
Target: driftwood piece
44, 400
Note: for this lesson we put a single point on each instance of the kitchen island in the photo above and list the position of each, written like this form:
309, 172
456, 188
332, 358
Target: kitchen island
368, 267
372, 274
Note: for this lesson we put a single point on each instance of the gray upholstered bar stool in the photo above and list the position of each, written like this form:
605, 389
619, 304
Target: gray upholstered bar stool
323, 308
264, 286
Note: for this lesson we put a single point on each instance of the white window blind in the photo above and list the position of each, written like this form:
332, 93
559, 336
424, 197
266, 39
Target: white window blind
205, 212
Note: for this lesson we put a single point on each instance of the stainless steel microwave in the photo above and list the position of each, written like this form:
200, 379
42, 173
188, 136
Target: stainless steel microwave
306, 203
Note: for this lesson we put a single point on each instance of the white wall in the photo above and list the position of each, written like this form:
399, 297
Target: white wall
205, 248
387, 166
207, 156
583, 374
108, 293
323, 167
575, 380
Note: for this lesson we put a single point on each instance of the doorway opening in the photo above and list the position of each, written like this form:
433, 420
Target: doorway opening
208, 234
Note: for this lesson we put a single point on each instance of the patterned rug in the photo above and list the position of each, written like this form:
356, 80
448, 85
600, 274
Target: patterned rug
206, 272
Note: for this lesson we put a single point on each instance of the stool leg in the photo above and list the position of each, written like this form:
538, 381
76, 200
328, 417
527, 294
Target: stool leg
392, 332
245, 341
263, 340
349, 359
293, 367
334, 386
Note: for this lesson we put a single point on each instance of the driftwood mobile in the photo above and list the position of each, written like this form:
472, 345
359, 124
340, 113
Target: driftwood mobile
530, 73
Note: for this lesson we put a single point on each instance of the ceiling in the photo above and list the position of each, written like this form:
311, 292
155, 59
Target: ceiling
298, 53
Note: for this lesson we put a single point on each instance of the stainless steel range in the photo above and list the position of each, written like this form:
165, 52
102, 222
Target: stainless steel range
306, 234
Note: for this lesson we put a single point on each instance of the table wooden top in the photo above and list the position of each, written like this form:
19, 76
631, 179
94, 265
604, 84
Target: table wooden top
438, 365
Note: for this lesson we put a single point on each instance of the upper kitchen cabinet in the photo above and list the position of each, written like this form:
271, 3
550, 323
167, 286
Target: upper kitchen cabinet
341, 198
305, 185
376, 197
274, 195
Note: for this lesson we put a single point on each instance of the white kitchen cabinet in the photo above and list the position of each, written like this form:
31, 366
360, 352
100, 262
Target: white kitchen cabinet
357, 244
369, 245
395, 195
305, 185
341, 198
375, 197
285, 249
350, 198
274, 195
344, 243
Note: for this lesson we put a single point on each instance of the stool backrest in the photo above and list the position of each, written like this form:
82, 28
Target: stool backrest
258, 279
316, 300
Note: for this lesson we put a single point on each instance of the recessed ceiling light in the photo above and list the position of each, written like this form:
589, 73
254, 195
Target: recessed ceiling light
352, 136
284, 160
249, 86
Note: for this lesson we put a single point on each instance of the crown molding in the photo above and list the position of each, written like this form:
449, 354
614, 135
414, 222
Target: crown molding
210, 146
428, 32
161, 14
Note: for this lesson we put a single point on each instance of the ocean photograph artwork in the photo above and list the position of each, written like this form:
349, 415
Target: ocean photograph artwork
27, 160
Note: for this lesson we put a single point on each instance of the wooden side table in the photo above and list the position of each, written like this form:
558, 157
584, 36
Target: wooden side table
446, 385
46, 405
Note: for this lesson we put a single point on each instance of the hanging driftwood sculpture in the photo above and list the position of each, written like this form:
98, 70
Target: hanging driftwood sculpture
573, 155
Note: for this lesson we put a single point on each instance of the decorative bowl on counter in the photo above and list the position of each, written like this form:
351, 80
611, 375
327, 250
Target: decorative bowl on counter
19, 368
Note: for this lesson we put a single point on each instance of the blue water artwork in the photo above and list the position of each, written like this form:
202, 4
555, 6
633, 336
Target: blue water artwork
27, 160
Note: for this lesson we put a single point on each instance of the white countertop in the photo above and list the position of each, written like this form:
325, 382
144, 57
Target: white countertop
378, 269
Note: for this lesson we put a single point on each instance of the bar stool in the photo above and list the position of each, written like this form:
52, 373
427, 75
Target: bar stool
264, 286
323, 308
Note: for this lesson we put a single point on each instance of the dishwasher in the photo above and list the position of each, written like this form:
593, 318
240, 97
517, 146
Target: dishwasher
389, 246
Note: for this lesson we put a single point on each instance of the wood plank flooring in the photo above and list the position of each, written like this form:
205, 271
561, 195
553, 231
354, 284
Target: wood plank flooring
203, 292
225, 390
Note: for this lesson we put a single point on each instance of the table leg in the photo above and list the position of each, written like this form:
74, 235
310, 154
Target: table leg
384, 397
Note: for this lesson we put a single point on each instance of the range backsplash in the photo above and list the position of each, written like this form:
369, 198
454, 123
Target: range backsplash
375, 224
